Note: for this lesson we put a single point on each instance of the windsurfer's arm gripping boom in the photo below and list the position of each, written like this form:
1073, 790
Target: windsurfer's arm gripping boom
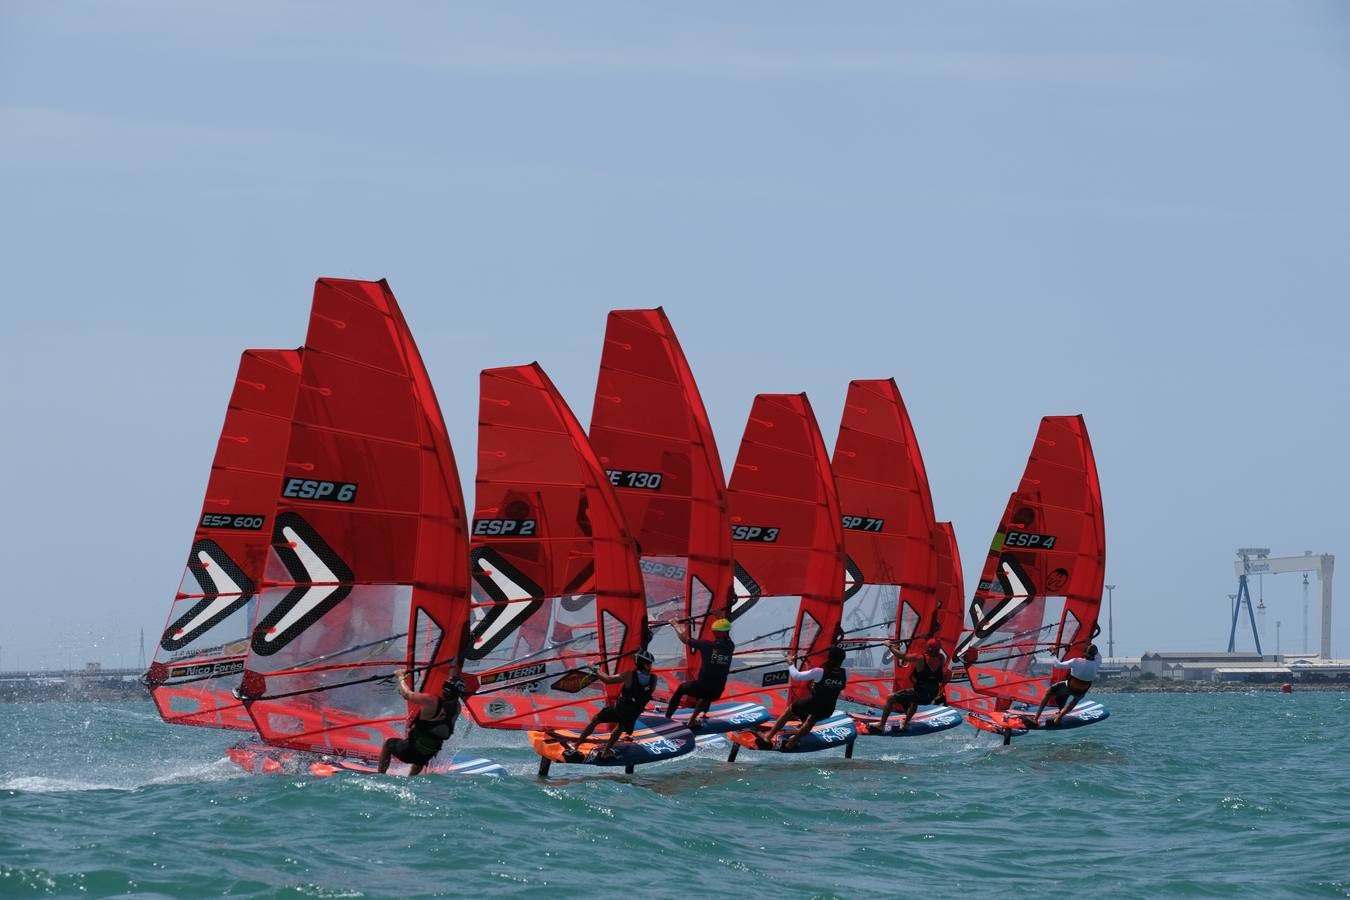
797, 674
425, 702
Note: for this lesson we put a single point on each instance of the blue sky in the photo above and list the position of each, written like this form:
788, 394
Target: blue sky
1133, 210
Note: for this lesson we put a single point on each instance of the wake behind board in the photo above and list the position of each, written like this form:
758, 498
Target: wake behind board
655, 738
724, 716
261, 759
836, 731
927, 720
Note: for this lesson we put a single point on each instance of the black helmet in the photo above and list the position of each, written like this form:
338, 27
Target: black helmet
835, 655
454, 687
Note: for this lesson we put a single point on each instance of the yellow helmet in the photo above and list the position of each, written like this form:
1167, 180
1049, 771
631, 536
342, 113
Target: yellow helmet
722, 625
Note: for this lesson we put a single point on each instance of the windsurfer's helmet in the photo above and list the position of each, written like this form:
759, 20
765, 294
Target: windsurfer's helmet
722, 625
454, 687
644, 657
933, 647
835, 655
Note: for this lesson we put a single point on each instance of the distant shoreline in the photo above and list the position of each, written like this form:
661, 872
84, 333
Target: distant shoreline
1168, 686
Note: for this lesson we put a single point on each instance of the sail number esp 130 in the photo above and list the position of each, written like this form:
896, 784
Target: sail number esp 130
647, 481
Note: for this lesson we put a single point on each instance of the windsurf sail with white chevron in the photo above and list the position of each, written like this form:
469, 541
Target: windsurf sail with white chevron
653, 437
367, 574
200, 655
555, 578
1041, 586
889, 533
788, 546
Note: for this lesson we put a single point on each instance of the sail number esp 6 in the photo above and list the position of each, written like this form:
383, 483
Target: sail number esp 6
317, 489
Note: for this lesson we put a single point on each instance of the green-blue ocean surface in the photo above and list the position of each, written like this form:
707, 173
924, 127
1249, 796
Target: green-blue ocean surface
1184, 795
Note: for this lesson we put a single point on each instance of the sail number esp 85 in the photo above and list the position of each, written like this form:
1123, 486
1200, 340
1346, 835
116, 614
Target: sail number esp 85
624, 478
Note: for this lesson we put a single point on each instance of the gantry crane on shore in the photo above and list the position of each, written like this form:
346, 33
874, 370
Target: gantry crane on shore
1258, 561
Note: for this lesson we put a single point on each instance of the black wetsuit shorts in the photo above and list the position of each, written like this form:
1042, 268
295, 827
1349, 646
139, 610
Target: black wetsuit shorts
402, 748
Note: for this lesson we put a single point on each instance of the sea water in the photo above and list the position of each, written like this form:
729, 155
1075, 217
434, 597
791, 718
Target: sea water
1175, 795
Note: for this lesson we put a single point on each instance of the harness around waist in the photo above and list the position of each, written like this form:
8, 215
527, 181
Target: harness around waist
1077, 685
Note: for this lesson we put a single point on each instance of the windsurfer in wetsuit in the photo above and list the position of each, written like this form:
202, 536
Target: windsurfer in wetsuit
1066, 694
927, 673
827, 683
712, 670
430, 727
622, 714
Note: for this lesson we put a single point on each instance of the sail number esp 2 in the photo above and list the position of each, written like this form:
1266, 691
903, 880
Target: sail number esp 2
504, 527
317, 489
647, 481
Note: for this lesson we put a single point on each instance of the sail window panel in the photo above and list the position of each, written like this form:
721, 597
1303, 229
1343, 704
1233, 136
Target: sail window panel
909, 621
366, 630
808, 629
425, 645
612, 637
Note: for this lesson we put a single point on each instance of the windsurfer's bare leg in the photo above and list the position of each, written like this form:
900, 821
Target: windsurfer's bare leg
909, 714
805, 728
777, 726
1045, 701
608, 750
885, 714
1067, 707
700, 709
586, 732
385, 752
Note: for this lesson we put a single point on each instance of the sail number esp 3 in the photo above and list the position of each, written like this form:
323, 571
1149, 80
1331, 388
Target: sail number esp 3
647, 481
864, 523
762, 533
316, 489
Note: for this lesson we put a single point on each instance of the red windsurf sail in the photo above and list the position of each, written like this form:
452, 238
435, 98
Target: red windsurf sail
951, 592
889, 528
1042, 581
652, 434
200, 655
368, 570
556, 585
788, 546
